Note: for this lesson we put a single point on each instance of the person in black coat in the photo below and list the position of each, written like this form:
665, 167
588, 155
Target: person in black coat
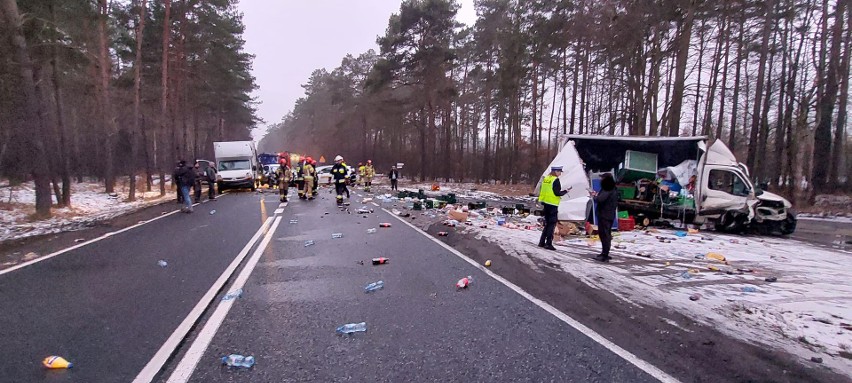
393, 176
606, 203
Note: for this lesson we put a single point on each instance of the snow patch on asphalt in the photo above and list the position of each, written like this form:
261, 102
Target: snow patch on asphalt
807, 311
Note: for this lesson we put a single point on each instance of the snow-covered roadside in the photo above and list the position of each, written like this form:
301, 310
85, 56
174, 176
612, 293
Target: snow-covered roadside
89, 204
807, 311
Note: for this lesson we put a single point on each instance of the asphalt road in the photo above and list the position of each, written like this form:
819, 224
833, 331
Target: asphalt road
831, 233
108, 306
420, 327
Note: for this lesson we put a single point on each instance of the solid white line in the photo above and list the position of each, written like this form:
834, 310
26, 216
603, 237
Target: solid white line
190, 360
89, 242
168, 348
649, 368
279, 211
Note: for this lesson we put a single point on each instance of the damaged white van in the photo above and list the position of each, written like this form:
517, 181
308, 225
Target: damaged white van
676, 178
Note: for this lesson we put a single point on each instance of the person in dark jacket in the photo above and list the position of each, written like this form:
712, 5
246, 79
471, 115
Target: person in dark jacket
176, 181
199, 177
185, 177
393, 176
550, 194
606, 203
210, 173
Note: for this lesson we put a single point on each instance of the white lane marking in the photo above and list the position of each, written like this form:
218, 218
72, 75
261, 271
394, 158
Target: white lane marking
643, 365
89, 242
374, 204
279, 210
190, 360
168, 348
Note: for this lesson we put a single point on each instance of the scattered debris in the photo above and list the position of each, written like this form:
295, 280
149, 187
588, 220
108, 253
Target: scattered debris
233, 295
816, 359
488, 263
162, 263
56, 362
443, 234
309, 243
771, 279
78, 240
30, 256
695, 297
352, 328
336, 235
212, 211
464, 282
371, 231
236, 360
380, 261
374, 286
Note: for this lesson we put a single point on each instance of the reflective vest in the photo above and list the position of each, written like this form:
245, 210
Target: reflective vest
546, 194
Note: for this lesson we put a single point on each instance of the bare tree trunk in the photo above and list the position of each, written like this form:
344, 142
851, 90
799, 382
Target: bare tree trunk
574, 88
696, 106
837, 165
822, 135
137, 88
32, 124
107, 114
753, 144
714, 76
720, 122
680, 70
735, 104
64, 160
164, 93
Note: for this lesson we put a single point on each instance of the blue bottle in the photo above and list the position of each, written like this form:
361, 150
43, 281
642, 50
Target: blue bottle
236, 360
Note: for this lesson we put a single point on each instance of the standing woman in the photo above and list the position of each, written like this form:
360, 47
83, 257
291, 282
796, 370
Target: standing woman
606, 202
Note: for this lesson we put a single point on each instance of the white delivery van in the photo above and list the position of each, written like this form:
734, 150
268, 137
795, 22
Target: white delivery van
237, 164
699, 183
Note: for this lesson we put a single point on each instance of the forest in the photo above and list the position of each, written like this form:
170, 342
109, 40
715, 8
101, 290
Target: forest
119, 88
489, 102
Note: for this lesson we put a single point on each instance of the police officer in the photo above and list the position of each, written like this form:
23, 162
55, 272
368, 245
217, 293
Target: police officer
549, 196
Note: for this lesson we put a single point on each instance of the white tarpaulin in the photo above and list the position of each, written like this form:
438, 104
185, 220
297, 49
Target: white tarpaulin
572, 207
683, 171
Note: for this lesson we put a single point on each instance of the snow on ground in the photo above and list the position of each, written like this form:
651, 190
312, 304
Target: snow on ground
89, 204
817, 217
807, 311
472, 191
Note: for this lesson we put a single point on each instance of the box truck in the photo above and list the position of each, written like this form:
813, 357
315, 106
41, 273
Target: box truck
676, 178
237, 164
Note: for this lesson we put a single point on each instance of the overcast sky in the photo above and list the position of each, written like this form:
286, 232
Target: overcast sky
292, 38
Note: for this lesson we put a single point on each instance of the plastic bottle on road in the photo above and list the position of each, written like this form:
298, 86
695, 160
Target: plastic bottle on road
236, 360
162, 263
352, 328
464, 282
380, 261
309, 243
371, 231
212, 211
374, 286
337, 235
233, 294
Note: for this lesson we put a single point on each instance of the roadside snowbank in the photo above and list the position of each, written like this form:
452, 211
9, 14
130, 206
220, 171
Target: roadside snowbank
89, 204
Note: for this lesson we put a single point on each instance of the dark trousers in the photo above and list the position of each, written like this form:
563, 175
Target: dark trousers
605, 233
197, 189
340, 188
179, 193
393, 184
211, 189
551, 218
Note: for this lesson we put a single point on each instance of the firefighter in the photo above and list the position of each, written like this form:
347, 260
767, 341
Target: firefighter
369, 173
284, 176
338, 172
299, 176
310, 173
316, 178
361, 171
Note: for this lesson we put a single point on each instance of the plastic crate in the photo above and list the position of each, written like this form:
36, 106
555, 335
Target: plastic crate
627, 191
623, 215
627, 224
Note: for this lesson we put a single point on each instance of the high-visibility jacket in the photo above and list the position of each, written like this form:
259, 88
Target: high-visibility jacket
369, 171
309, 172
546, 195
338, 171
361, 170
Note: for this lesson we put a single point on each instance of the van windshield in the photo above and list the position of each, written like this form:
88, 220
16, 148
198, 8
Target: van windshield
234, 165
